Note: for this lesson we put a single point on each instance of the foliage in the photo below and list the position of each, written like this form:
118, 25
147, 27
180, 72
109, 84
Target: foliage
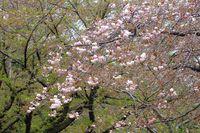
99, 66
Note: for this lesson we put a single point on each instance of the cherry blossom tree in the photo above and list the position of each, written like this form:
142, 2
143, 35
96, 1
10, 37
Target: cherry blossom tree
148, 50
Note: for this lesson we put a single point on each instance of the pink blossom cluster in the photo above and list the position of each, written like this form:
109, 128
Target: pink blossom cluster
38, 99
